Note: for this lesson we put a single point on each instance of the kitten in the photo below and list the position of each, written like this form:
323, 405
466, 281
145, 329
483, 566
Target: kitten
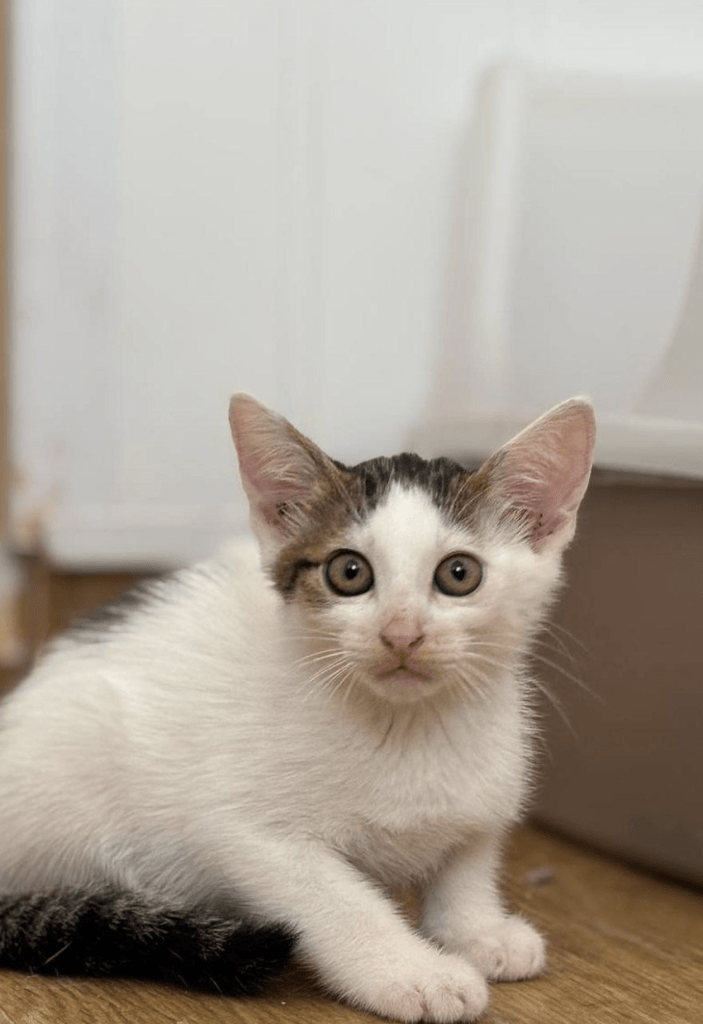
241, 762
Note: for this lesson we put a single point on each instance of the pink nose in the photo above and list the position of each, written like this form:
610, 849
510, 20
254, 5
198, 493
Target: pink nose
402, 635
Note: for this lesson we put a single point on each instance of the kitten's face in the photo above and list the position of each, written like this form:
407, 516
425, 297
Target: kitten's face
412, 575
407, 600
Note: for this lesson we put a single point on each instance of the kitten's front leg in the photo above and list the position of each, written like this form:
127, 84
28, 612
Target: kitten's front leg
463, 912
357, 940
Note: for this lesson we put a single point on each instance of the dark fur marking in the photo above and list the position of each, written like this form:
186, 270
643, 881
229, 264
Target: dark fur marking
120, 934
302, 565
437, 477
98, 624
346, 493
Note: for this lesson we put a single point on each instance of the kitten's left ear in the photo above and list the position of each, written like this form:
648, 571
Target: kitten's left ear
282, 471
543, 472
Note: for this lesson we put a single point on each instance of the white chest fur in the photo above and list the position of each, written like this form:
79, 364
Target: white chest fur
395, 795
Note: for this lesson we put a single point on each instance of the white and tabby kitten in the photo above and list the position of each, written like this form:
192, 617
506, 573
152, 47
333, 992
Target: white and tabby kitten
237, 763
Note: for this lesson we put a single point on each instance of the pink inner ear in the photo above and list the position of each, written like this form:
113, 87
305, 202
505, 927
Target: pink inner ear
545, 469
274, 505
549, 505
266, 478
275, 461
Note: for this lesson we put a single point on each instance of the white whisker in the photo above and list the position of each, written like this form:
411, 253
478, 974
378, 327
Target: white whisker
555, 702
551, 626
536, 656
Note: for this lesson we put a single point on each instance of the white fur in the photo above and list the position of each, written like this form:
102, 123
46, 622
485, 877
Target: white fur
225, 745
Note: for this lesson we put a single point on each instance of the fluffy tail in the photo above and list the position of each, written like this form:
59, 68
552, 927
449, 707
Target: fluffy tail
118, 934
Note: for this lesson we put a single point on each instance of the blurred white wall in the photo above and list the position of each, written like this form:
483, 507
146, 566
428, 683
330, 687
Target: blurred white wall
247, 194
577, 268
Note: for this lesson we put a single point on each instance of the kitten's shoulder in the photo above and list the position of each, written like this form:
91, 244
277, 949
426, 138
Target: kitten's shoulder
231, 580
216, 606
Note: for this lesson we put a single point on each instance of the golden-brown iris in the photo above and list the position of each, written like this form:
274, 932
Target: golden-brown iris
348, 573
458, 575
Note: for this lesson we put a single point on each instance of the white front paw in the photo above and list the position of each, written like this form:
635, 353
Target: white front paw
427, 986
507, 949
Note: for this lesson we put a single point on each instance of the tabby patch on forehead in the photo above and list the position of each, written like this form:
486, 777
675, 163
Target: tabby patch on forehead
458, 493
453, 490
324, 529
435, 476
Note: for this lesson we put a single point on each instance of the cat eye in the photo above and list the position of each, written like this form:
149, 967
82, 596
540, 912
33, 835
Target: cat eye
458, 575
348, 574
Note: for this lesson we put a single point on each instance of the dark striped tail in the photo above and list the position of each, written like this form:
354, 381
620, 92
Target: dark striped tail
118, 934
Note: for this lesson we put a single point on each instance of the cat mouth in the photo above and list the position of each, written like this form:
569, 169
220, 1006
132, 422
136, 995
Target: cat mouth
402, 674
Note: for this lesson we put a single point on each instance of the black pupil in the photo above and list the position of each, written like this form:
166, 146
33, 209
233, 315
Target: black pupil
458, 571
351, 569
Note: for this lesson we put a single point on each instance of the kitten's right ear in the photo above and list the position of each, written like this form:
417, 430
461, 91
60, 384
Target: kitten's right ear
281, 470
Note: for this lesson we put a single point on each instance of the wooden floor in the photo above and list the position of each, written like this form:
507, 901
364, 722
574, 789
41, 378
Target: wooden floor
625, 948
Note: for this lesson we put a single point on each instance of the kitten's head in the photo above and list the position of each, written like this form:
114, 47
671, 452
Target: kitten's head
412, 574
